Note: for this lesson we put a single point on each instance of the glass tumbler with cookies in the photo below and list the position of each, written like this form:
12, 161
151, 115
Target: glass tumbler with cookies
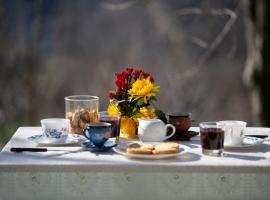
81, 110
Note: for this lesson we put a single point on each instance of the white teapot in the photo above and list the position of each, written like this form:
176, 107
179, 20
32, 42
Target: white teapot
154, 130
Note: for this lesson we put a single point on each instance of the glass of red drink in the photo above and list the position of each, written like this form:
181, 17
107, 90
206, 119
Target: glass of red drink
212, 138
114, 120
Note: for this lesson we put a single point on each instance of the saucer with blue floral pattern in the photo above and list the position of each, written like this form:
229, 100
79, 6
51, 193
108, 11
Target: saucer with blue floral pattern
71, 139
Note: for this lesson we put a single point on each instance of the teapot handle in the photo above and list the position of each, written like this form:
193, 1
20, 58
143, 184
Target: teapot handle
173, 131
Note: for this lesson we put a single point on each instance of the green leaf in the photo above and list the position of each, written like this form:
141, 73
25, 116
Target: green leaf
140, 102
135, 111
152, 99
161, 115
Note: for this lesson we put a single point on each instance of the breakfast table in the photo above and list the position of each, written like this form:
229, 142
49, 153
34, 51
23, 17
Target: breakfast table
239, 174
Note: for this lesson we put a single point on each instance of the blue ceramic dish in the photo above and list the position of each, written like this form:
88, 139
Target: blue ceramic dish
98, 133
108, 145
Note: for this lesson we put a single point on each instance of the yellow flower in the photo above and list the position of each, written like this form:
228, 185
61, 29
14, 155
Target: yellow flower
146, 113
113, 109
143, 88
128, 127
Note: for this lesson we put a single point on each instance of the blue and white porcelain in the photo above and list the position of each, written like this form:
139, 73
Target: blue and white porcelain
55, 129
248, 142
98, 133
71, 139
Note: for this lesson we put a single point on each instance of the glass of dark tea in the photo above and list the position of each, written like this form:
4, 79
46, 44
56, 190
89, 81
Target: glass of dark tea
212, 138
114, 120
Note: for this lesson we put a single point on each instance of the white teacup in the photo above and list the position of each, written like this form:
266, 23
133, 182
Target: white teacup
234, 131
55, 129
154, 130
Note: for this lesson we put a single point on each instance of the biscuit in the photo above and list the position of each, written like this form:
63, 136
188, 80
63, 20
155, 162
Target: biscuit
134, 145
167, 145
147, 146
136, 148
165, 150
131, 150
142, 146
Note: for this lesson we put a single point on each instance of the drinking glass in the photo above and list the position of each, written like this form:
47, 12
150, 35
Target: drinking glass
114, 120
81, 110
212, 138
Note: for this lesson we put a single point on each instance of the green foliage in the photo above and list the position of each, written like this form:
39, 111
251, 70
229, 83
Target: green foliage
161, 115
140, 102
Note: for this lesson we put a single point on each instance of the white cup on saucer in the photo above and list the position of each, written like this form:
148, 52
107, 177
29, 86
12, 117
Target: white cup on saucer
234, 131
154, 130
55, 130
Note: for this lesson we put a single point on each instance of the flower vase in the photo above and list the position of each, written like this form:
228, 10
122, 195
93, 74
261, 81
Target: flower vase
128, 127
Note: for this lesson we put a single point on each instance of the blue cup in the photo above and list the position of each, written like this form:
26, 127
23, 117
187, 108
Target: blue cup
98, 133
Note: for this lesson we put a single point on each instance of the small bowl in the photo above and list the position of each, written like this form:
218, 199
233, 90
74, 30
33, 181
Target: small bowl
55, 129
181, 121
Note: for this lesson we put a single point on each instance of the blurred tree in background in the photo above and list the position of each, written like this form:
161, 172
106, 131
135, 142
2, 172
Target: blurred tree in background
197, 51
257, 73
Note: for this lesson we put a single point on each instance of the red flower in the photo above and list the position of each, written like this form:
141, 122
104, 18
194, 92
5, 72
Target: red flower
152, 79
118, 83
129, 71
119, 76
137, 74
145, 75
111, 95
124, 85
124, 75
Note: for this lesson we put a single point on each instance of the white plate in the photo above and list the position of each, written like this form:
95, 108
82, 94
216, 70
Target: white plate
71, 139
119, 149
247, 142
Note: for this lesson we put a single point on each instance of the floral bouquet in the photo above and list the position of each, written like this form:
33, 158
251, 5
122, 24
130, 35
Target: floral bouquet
133, 98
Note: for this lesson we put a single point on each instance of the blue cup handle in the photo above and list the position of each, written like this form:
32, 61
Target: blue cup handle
84, 132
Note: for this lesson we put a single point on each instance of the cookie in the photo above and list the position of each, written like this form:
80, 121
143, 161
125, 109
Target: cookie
147, 146
136, 148
167, 145
143, 146
131, 150
165, 150
134, 145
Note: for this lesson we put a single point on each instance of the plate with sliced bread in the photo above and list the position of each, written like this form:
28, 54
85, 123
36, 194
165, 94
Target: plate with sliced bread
161, 150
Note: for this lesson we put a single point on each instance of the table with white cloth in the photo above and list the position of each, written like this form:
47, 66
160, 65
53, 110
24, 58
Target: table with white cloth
239, 174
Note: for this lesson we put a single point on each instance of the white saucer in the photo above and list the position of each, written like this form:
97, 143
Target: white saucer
257, 131
71, 139
247, 142
122, 150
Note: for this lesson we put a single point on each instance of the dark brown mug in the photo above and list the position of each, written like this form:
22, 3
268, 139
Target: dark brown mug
181, 121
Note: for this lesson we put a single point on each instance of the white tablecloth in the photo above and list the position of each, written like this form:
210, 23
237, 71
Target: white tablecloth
239, 174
